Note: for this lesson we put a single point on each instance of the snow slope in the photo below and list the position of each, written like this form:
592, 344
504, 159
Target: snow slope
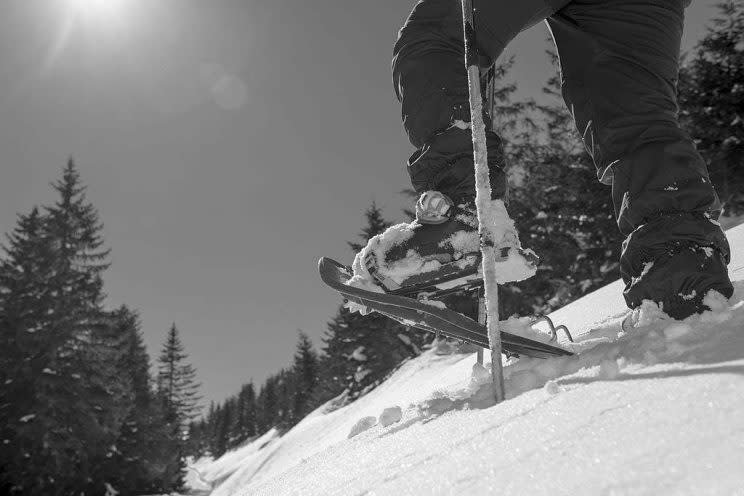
652, 410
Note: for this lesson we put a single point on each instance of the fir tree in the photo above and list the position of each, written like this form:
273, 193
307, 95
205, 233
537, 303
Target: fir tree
376, 224
711, 98
286, 388
360, 351
562, 212
24, 349
224, 424
142, 448
52, 301
178, 393
246, 422
305, 370
177, 380
268, 405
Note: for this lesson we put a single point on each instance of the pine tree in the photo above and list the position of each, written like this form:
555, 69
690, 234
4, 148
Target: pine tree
286, 388
246, 413
360, 351
224, 423
711, 98
52, 302
23, 348
562, 212
268, 404
335, 371
178, 393
305, 370
135, 466
376, 224
177, 380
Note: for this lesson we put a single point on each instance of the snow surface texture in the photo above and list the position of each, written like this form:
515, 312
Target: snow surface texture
512, 268
654, 409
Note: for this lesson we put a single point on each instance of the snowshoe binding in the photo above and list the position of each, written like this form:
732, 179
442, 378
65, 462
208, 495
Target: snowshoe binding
440, 250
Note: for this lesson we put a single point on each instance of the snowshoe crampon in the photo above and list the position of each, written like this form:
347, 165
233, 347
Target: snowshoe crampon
429, 315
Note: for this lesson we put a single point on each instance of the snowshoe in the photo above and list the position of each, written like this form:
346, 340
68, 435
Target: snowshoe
440, 249
430, 315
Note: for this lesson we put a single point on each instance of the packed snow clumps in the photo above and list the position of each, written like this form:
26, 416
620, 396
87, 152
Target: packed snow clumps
514, 267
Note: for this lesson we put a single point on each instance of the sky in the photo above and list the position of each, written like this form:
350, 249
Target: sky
227, 145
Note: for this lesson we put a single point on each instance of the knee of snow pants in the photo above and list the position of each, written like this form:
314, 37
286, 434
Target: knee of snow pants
431, 83
619, 68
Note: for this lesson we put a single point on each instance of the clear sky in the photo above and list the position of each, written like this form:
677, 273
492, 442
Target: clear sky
227, 145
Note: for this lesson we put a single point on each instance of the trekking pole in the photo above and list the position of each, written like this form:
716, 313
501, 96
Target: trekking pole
486, 209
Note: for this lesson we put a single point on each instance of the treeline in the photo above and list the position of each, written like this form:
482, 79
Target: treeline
80, 412
358, 352
561, 211
711, 99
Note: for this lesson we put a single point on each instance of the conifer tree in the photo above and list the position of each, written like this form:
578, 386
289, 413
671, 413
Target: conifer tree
178, 394
335, 371
360, 351
75, 402
177, 380
268, 405
376, 224
142, 448
562, 212
224, 423
286, 388
246, 413
305, 370
23, 347
711, 99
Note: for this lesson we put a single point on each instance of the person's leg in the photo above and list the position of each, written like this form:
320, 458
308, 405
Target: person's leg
431, 82
619, 65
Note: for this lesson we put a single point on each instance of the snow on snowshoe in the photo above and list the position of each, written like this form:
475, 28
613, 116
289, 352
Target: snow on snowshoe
439, 250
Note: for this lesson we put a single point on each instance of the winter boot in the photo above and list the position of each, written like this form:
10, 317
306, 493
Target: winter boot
675, 260
440, 249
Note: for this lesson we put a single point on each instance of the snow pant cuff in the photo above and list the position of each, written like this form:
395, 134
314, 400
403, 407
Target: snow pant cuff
446, 164
674, 260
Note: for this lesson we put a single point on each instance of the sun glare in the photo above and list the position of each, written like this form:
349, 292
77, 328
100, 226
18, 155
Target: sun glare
99, 11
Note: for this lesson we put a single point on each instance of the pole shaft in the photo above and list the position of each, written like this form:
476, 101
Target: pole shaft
483, 202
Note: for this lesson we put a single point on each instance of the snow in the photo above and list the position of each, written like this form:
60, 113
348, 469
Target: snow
650, 405
210, 473
358, 354
502, 232
363, 424
390, 416
361, 373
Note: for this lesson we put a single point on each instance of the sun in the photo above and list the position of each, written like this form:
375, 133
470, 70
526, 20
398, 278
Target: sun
99, 11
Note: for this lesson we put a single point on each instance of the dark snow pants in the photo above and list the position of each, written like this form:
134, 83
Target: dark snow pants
619, 65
